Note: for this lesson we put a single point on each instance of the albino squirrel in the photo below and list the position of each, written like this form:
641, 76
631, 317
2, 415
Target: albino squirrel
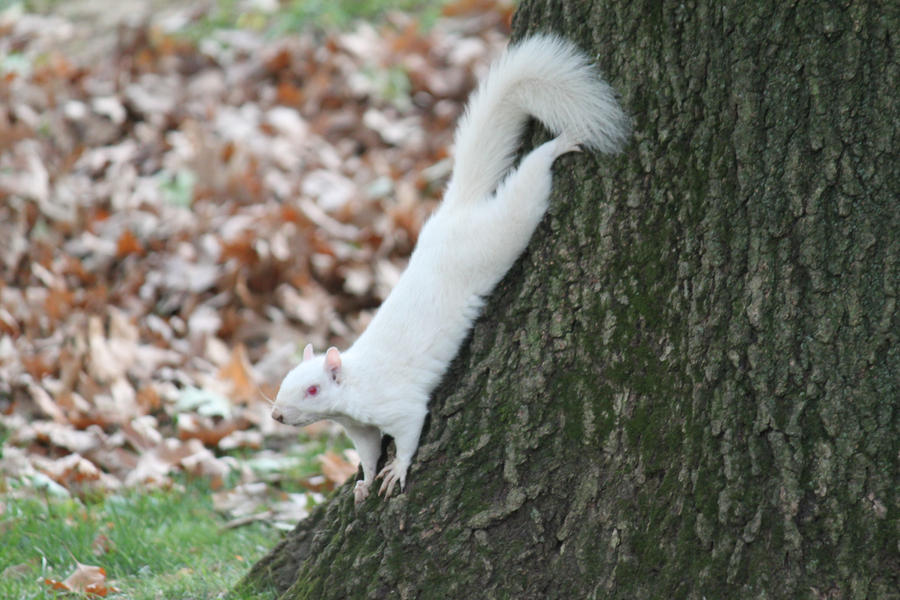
382, 383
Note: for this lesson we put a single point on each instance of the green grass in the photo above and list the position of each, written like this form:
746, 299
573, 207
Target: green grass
162, 544
288, 17
296, 15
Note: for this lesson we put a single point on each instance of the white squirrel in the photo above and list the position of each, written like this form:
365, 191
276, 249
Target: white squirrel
382, 383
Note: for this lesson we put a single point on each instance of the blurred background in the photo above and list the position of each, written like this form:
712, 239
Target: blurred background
190, 193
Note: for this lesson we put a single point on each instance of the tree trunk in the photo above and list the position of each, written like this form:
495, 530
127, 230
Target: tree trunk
688, 386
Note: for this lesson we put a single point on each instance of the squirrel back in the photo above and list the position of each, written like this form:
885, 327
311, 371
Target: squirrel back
545, 77
383, 382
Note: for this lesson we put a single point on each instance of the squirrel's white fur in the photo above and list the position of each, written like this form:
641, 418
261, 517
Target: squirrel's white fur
382, 383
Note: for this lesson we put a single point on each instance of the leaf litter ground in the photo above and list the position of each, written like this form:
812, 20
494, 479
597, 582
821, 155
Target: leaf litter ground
178, 218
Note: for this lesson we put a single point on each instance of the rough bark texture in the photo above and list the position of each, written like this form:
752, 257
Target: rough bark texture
688, 386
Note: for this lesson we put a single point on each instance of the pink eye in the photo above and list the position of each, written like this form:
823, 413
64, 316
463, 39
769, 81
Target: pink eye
312, 390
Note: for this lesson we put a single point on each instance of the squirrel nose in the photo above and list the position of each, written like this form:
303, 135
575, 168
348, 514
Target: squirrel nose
276, 414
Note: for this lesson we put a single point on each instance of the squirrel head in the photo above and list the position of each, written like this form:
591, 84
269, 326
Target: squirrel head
311, 391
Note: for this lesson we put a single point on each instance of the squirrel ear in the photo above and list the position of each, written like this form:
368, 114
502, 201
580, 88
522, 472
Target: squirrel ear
307, 352
333, 362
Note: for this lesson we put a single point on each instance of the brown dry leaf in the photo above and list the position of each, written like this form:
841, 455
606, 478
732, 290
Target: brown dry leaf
336, 468
240, 374
205, 464
8, 324
206, 429
142, 433
103, 364
128, 244
154, 466
85, 579
358, 280
242, 439
46, 404
117, 461
75, 471
65, 436
148, 399
101, 544
192, 456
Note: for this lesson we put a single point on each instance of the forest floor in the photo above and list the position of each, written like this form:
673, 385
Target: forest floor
187, 197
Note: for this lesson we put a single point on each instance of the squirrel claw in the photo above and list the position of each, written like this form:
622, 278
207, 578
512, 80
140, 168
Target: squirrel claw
391, 474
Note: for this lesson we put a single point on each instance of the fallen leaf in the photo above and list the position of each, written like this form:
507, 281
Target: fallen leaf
335, 468
241, 439
101, 544
74, 471
240, 374
64, 436
128, 244
104, 365
204, 402
154, 466
206, 429
46, 404
85, 579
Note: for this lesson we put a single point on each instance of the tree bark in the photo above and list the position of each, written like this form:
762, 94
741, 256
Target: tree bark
688, 386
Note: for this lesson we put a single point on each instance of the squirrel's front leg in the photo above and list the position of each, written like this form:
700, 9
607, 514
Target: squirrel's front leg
406, 440
367, 440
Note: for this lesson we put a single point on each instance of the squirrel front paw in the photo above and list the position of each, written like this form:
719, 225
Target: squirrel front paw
392, 473
360, 492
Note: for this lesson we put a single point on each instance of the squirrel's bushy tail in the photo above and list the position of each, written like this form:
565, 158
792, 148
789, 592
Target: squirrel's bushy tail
545, 77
